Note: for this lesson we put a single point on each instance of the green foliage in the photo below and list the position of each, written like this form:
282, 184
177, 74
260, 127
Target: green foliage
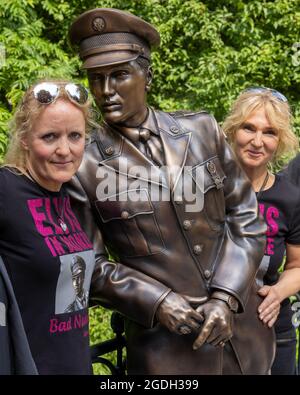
100, 331
210, 51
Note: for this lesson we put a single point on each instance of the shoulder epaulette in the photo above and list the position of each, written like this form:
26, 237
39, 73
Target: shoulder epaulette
186, 113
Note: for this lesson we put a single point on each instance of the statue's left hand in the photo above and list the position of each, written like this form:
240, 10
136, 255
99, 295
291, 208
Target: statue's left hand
217, 326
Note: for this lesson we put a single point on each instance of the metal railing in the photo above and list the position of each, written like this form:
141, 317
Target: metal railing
115, 344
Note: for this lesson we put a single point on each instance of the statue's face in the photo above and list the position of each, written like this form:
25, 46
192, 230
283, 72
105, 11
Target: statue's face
120, 93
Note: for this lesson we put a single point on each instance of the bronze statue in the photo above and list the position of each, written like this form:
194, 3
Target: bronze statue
172, 205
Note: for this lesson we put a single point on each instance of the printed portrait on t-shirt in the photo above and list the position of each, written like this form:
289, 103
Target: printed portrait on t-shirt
74, 282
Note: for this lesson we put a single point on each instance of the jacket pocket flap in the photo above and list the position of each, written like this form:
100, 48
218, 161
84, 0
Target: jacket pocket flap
208, 174
125, 205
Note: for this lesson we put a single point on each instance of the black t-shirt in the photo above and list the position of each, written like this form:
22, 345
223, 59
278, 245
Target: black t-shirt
6, 352
280, 207
50, 262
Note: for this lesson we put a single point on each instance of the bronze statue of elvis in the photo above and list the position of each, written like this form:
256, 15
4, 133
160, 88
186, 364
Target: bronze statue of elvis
185, 280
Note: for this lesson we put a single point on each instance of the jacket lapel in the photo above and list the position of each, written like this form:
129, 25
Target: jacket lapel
175, 142
124, 158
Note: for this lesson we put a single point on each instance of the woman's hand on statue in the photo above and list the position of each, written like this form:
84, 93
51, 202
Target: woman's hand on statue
269, 309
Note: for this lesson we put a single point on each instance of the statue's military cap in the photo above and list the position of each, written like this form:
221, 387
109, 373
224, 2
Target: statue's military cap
78, 265
107, 36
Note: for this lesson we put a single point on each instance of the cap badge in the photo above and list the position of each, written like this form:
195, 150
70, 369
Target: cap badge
98, 24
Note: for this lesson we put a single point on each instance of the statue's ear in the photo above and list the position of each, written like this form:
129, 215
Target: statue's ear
149, 78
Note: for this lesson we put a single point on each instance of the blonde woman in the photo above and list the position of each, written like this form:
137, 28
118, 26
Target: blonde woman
38, 227
259, 127
46, 252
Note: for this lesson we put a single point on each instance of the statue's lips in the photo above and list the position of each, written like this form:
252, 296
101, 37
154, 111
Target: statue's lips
109, 107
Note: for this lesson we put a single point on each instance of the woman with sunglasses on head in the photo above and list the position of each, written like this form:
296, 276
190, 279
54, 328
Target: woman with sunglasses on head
49, 259
39, 233
260, 131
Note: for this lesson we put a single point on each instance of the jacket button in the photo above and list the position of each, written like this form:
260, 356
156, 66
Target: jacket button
174, 129
197, 249
124, 214
211, 167
109, 151
207, 274
187, 225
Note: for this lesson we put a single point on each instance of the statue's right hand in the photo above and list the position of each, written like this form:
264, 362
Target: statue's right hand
176, 313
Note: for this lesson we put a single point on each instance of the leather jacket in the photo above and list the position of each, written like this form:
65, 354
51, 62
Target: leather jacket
218, 246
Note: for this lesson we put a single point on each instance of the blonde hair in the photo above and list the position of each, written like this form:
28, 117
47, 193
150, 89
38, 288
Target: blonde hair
26, 114
277, 111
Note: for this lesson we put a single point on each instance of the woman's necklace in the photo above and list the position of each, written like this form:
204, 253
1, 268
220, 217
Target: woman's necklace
60, 220
263, 185
59, 216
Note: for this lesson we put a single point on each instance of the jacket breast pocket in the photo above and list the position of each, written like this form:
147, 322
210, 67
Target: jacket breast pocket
129, 224
209, 177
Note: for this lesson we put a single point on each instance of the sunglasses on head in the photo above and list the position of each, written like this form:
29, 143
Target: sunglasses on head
48, 92
274, 92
